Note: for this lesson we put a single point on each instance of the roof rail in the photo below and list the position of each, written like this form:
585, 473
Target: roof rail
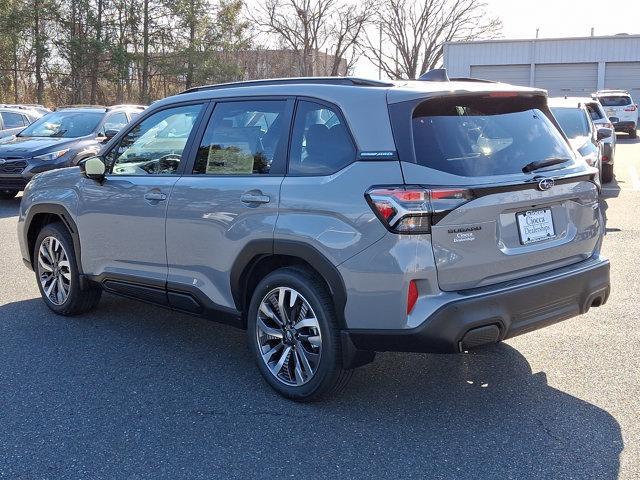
613, 90
349, 81
126, 105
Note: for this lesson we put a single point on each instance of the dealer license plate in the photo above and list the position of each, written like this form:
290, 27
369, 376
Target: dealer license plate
535, 225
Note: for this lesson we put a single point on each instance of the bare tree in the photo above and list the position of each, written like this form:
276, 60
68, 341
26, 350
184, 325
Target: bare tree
414, 32
309, 27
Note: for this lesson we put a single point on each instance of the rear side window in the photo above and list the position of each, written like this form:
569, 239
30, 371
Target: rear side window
480, 136
12, 120
242, 138
321, 144
615, 101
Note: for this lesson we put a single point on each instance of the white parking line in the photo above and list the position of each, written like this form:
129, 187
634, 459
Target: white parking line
635, 179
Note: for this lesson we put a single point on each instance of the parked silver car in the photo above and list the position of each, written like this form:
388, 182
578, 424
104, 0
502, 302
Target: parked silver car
331, 218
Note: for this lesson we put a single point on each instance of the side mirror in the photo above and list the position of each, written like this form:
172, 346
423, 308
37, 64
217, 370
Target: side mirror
109, 134
604, 133
94, 168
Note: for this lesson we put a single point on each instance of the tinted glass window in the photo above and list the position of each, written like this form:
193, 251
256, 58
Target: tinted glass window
155, 145
242, 138
116, 121
64, 124
573, 121
321, 144
615, 101
478, 136
594, 112
12, 120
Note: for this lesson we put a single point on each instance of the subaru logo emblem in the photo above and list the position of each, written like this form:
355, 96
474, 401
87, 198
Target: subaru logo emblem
546, 184
2, 161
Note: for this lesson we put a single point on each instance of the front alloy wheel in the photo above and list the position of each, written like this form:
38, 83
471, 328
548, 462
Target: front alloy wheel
54, 270
288, 336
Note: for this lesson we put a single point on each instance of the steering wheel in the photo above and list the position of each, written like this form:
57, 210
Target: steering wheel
165, 164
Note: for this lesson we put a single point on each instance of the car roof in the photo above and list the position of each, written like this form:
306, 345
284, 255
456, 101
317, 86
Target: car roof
22, 111
617, 93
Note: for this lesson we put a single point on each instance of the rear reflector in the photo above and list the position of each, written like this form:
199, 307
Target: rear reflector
412, 296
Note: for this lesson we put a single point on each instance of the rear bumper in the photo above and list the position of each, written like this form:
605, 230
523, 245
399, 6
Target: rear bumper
624, 126
489, 315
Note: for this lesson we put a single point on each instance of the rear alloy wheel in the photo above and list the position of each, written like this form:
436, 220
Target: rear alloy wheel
8, 194
293, 334
57, 273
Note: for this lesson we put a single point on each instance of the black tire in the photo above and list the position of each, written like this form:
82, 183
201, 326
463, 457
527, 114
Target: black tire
8, 194
633, 133
80, 298
607, 173
330, 376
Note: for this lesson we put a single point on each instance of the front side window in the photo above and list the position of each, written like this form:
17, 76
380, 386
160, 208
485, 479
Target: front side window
573, 121
12, 120
242, 138
321, 144
64, 124
484, 135
117, 121
155, 145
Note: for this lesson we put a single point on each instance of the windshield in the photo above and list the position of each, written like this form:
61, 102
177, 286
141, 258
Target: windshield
573, 121
615, 101
481, 136
64, 125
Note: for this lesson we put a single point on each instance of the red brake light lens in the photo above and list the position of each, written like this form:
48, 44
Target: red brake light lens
631, 108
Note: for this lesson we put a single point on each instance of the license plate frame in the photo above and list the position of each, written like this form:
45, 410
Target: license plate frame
535, 225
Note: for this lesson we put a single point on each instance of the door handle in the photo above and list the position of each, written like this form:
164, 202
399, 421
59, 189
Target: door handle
254, 197
155, 196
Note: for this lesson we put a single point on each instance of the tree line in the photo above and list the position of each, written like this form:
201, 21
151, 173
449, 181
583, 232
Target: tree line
135, 51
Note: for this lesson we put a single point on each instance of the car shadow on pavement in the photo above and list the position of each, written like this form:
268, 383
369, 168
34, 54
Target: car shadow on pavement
138, 392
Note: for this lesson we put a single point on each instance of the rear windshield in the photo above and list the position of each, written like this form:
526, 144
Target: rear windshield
573, 121
615, 101
478, 136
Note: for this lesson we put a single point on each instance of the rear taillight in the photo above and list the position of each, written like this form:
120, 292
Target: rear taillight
631, 108
414, 209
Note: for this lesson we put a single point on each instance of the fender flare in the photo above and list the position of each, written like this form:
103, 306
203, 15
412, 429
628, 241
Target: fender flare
259, 249
67, 219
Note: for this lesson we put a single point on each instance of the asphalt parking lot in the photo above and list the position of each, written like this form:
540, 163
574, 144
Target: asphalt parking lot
132, 391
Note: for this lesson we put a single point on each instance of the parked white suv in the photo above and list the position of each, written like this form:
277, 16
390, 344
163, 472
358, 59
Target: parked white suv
621, 110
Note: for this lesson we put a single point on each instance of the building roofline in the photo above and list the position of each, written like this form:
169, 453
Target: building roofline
506, 40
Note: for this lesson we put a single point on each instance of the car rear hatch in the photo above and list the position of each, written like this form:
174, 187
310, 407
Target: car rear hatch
619, 108
507, 197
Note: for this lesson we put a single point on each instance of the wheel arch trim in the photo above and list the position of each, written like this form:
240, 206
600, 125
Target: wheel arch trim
258, 250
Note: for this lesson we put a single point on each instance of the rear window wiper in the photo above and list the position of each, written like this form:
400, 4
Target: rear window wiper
547, 162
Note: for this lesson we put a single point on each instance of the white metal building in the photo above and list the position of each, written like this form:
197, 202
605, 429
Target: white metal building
563, 66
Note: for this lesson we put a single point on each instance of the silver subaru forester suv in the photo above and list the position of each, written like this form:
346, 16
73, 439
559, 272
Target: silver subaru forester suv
331, 218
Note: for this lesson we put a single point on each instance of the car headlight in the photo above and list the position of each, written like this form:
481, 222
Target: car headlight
51, 156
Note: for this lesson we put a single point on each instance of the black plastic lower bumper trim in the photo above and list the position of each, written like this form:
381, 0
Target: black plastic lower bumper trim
514, 310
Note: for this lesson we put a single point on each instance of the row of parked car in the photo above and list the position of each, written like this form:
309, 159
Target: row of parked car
590, 125
34, 139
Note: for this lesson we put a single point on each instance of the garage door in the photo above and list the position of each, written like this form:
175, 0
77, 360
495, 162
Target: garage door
624, 75
514, 74
574, 79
